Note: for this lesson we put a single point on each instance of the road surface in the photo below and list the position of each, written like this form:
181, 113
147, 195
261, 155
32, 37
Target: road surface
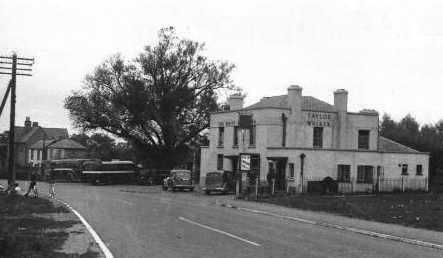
144, 221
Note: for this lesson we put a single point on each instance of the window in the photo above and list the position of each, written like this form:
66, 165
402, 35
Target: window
344, 173
221, 136
318, 137
419, 170
38, 155
220, 162
363, 139
291, 170
283, 118
252, 134
235, 136
404, 169
365, 174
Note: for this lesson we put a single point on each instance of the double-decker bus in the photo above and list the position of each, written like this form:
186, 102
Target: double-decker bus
107, 172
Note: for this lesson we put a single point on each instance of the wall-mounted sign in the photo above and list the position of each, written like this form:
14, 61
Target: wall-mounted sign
319, 119
245, 162
227, 124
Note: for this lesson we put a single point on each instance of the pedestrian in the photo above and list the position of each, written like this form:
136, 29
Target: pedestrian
33, 184
51, 182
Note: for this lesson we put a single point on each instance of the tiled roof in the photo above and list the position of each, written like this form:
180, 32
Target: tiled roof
67, 144
387, 145
51, 133
39, 144
309, 103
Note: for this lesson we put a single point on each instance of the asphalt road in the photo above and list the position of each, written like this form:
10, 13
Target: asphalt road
141, 221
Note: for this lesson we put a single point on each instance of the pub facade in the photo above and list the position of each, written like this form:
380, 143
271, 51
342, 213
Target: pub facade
302, 140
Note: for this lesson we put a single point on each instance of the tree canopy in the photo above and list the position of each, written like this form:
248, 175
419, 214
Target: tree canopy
159, 102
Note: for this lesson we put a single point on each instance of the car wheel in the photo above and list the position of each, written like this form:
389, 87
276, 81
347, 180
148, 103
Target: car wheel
191, 189
207, 192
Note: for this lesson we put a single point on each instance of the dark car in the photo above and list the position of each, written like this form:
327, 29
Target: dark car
218, 182
178, 180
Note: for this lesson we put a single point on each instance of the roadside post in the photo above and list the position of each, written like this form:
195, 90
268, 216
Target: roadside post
273, 186
16, 64
256, 187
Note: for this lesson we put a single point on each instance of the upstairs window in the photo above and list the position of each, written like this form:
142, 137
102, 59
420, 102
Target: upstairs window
419, 171
221, 136
220, 162
344, 173
252, 134
363, 139
235, 136
318, 137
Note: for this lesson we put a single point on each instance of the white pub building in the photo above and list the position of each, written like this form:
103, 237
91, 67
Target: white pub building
304, 140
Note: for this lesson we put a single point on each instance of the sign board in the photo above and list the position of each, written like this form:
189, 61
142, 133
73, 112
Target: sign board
319, 119
245, 162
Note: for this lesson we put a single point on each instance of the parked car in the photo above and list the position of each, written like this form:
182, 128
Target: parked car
178, 180
217, 182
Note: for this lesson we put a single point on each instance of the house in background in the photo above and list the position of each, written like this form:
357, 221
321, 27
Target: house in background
26, 136
55, 149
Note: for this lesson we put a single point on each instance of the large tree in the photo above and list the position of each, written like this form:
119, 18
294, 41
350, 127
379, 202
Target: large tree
160, 102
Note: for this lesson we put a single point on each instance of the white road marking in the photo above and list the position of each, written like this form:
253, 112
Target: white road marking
219, 231
94, 234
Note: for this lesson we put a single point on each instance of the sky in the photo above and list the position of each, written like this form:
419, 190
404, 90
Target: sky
387, 54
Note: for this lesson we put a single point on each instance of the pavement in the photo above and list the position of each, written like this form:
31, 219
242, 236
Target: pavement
144, 221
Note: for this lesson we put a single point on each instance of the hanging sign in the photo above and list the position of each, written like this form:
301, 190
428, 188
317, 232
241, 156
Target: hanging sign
245, 162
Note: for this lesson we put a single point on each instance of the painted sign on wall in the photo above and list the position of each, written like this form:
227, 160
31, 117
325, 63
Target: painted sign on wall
319, 119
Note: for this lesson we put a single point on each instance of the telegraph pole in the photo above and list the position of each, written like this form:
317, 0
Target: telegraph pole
13, 61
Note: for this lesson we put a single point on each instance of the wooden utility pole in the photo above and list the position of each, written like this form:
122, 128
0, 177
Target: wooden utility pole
12, 60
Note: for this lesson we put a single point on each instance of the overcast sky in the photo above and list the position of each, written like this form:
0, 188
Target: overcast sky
387, 54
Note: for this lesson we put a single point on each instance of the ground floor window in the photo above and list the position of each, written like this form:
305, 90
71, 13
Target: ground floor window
365, 174
220, 162
419, 170
291, 170
344, 173
404, 169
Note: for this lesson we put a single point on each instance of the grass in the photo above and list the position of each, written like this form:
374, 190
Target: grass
22, 234
421, 210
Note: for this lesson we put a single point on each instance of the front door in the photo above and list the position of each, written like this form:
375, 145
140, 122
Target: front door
280, 177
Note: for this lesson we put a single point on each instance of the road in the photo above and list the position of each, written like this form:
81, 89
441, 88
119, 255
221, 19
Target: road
144, 221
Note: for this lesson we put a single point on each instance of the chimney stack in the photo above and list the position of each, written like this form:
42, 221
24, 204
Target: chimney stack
341, 104
295, 100
235, 102
341, 100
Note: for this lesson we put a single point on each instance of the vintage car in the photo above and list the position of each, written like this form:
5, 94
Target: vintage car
217, 182
178, 180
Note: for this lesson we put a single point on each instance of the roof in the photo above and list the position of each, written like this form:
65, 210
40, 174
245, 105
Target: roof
51, 133
39, 144
59, 144
308, 103
66, 144
387, 145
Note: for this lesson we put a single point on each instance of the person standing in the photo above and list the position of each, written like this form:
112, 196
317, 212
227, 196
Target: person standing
33, 184
51, 182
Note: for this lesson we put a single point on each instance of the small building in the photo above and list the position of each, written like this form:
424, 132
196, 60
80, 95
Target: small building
25, 136
55, 149
303, 140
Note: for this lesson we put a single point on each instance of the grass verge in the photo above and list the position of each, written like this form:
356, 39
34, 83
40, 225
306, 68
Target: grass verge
421, 210
25, 234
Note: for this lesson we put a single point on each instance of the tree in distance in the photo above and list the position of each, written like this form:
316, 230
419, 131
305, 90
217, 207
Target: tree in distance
160, 102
